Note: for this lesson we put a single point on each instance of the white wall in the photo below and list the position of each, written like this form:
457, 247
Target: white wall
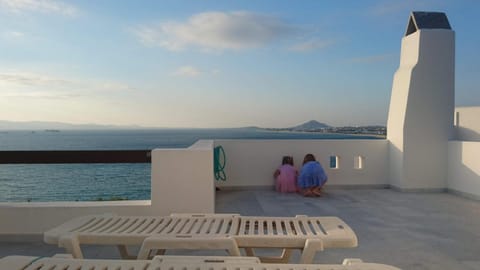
35, 218
467, 123
182, 179
464, 167
420, 120
251, 163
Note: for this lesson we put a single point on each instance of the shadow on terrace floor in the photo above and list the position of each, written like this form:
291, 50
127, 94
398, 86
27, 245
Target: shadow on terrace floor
407, 230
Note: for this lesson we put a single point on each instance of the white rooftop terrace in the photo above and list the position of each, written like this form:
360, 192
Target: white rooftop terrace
431, 149
428, 231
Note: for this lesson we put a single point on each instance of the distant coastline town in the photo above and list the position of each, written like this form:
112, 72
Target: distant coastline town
315, 126
310, 126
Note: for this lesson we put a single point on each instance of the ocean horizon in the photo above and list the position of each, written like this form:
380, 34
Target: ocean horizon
93, 182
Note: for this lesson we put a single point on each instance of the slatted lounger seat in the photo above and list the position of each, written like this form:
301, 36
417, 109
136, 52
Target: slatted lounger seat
122, 231
311, 234
215, 231
176, 263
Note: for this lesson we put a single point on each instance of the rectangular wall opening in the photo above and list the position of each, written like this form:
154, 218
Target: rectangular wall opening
334, 162
359, 162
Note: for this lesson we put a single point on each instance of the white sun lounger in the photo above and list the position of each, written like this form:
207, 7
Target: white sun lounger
176, 263
46, 263
197, 231
122, 231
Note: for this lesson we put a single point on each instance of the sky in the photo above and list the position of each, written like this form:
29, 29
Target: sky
210, 64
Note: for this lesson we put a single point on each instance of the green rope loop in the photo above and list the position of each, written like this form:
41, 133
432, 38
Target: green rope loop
219, 161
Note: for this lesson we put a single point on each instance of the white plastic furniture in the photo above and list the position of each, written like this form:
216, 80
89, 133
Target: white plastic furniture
176, 263
199, 231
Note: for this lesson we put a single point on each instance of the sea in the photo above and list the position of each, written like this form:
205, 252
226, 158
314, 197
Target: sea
102, 182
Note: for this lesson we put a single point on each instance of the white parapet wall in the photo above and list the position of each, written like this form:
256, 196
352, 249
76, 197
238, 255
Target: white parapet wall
32, 218
182, 179
467, 124
251, 163
464, 168
464, 153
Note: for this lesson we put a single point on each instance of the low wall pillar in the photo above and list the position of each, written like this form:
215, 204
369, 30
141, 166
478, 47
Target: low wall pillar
183, 180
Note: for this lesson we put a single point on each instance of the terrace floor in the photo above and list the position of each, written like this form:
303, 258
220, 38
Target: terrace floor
407, 230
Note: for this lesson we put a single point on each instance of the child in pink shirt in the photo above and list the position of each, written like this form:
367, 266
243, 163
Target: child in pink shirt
286, 176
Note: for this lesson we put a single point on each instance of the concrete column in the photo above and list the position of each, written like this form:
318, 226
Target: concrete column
420, 119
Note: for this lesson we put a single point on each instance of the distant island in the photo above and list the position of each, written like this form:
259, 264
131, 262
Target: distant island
315, 126
310, 126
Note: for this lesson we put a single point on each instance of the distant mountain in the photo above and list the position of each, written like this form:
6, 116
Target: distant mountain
310, 125
44, 125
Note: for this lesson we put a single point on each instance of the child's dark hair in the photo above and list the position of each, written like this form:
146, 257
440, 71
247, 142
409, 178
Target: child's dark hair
287, 160
308, 157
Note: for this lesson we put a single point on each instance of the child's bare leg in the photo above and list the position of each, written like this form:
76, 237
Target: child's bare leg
306, 192
317, 191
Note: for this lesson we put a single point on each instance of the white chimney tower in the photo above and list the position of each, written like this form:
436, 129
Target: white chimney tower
420, 118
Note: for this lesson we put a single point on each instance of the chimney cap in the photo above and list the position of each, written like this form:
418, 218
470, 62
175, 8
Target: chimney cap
427, 20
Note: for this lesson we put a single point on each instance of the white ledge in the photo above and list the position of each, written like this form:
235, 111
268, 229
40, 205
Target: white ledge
74, 204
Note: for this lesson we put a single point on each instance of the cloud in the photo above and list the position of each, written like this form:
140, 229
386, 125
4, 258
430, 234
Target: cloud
38, 94
311, 45
216, 30
42, 6
32, 79
187, 71
12, 35
36, 85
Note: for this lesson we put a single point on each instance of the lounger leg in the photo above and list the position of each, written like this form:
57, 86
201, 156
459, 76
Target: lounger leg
161, 251
249, 252
122, 249
163, 243
144, 252
233, 249
72, 245
285, 257
310, 249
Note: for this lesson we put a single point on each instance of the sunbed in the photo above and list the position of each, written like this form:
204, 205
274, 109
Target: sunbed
205, 231
175, 263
